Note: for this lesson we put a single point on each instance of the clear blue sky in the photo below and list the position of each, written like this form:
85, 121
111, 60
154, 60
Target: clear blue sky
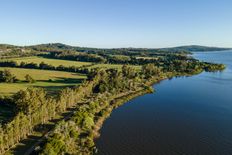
117, 23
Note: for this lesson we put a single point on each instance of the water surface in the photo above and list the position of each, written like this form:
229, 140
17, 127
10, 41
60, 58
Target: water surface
186, 116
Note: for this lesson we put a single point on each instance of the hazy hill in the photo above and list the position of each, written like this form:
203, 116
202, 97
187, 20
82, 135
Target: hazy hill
60, 46
195, 48
191, 48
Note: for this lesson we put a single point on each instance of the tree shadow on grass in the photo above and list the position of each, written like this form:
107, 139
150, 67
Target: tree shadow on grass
24, 145
68, 83
64, 80
7, 112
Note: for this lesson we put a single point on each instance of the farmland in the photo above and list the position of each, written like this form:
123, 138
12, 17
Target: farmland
53, 62
50, 80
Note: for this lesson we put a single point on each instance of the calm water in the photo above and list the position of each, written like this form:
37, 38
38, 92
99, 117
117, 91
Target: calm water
186, 116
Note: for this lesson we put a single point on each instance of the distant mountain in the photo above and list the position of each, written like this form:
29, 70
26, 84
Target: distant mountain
60, 46
191, 48
6, 46
195, 48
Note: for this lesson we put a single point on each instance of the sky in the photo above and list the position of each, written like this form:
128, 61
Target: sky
117, 23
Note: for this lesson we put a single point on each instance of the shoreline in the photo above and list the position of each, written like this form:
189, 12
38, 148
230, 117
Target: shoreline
120, 101
123, 97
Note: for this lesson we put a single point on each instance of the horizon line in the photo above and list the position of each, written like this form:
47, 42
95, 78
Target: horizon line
72, 45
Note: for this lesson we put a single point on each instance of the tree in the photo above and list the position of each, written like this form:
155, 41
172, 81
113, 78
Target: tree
54, 146
43, 65
31, 65
128, 72
88, 122
29, 101
150, 70
7, 76
29, 79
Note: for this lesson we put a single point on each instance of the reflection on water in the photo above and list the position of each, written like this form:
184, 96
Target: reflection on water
188, 115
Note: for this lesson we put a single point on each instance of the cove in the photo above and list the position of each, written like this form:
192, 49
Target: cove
186, 115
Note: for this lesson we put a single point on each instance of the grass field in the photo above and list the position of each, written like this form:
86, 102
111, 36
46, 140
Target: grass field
50, 80
54, 62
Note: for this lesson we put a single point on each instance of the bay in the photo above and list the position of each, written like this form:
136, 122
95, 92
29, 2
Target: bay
186, 116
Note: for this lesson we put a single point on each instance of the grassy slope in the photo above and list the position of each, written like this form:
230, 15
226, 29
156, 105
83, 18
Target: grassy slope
59, 80
54, 62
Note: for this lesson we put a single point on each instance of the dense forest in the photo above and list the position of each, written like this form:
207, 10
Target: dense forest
93, 100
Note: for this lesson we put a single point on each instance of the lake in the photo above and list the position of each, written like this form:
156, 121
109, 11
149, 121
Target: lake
186, 116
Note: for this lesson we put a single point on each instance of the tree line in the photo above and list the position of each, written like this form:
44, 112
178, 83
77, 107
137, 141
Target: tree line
76, 56
45, 66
